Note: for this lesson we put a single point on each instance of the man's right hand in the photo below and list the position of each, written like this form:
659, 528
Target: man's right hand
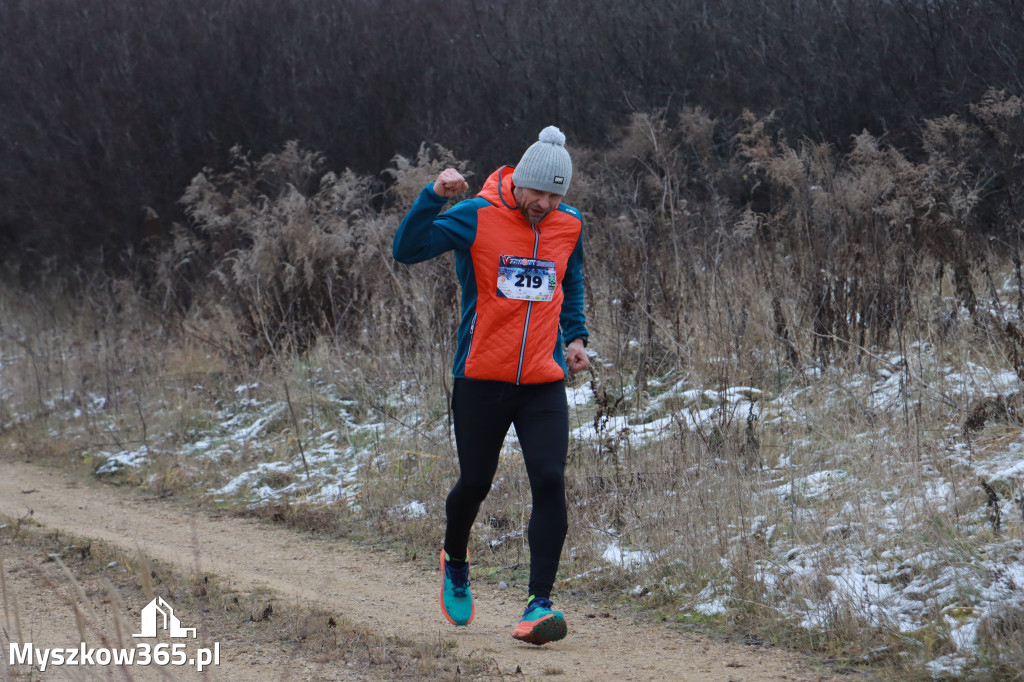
449, 183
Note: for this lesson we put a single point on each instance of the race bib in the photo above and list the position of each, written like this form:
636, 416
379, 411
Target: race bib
526, 279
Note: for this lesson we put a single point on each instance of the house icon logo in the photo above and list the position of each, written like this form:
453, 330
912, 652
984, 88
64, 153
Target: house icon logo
159, 614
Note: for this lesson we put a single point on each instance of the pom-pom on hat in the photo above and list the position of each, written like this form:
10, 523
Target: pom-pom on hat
546, 165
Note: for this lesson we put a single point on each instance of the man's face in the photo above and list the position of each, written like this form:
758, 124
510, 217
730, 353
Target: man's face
535, 204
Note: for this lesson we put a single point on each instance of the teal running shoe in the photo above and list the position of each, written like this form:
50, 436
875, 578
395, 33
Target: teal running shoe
540, 624
456, 600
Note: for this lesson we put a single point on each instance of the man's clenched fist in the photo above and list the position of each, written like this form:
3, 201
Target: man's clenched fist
449, 183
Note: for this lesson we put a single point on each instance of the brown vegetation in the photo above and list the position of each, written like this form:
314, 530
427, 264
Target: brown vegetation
110, 107
714, 259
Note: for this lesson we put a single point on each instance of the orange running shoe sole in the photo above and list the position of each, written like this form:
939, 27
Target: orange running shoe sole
550, 628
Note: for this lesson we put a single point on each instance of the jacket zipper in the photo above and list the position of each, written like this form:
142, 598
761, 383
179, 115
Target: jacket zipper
529, 309
472, 333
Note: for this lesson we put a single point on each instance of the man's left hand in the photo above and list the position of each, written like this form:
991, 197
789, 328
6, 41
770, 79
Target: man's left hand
576, 357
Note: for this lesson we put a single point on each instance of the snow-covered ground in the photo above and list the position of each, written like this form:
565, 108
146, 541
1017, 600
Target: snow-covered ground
869, 556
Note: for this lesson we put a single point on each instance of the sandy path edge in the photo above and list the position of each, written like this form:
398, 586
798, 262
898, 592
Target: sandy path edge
392, 596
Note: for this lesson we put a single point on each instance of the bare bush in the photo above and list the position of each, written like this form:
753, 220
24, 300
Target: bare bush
278, 245
284, 252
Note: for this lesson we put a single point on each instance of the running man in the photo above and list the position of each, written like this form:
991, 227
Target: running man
519, 259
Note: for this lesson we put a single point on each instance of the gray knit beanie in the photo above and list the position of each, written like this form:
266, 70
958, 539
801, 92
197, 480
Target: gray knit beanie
546, 165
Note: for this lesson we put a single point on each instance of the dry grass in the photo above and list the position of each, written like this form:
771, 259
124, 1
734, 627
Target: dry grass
849, 297
106, 588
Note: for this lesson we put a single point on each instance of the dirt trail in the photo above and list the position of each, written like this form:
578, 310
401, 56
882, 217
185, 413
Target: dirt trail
393, 596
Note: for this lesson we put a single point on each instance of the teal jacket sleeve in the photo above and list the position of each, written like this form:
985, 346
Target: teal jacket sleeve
424, 234
572, 320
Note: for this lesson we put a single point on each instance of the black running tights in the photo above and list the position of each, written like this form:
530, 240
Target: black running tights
483, 411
